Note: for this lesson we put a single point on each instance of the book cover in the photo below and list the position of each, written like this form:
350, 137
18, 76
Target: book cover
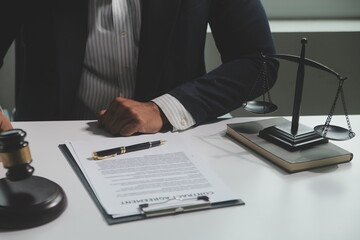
313, 157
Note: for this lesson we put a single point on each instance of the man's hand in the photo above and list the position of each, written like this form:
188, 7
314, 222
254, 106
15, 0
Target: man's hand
125, 117
4, 123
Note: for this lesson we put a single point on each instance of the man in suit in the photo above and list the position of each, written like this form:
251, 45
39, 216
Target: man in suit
159, 74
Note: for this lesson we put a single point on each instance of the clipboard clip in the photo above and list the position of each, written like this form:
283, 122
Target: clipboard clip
175, 205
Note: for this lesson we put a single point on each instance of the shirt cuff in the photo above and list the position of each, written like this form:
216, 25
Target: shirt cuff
175, 112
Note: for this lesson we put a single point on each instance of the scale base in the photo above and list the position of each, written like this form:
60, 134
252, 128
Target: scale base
281, 136
31, 202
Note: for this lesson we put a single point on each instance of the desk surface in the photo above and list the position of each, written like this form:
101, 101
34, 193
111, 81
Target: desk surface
318, 204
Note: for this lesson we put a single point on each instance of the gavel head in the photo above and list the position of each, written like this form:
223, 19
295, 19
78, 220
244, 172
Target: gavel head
15, 154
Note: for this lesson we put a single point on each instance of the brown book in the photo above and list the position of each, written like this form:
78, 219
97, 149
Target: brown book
313, 157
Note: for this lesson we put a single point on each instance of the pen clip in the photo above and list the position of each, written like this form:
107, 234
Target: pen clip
175, 205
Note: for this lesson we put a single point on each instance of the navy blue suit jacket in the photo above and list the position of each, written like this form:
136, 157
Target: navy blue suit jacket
51, 44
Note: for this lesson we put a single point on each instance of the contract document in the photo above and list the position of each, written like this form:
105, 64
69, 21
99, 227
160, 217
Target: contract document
166, 175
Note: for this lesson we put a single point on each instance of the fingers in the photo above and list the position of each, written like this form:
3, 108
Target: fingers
101, 112
126, 117
99, 115
116, 116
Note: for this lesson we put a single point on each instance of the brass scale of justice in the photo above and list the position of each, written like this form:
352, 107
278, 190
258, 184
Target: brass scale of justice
294, 136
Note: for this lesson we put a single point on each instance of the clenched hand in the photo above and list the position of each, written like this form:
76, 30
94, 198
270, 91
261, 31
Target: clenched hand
125, 117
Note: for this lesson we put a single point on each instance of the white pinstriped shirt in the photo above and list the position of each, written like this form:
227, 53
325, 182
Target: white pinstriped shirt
110, 62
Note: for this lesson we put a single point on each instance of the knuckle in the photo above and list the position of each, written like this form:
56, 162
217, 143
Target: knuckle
135, 116
126, 132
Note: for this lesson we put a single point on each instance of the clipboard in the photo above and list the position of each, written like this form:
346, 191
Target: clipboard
148, 211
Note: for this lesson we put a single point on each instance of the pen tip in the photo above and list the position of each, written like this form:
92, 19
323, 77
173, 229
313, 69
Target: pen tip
162, 142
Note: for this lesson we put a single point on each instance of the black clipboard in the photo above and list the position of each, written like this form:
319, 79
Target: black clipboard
147, 210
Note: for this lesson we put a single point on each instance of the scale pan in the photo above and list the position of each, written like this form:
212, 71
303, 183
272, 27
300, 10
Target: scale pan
259, 107
334, 132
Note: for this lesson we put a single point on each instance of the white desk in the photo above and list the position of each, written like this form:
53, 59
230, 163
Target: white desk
319, 204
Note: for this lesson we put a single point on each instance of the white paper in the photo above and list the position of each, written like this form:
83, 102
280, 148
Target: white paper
169, 171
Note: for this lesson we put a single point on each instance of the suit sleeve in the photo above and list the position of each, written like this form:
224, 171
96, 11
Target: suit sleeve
12, 14
241, 32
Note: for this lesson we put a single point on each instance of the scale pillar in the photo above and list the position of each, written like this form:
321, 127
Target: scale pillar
294, 137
